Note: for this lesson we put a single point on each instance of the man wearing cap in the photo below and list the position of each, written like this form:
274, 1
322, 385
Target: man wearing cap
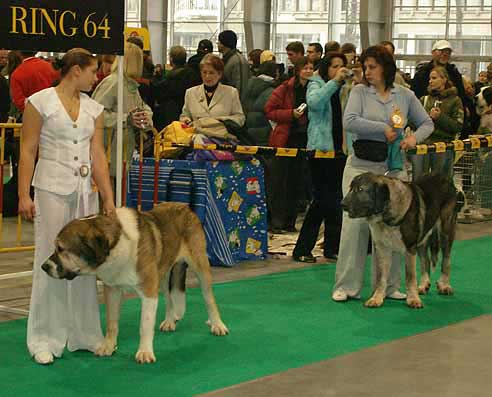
236, 66
441, 52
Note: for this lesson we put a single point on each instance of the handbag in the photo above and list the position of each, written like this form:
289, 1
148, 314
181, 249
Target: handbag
367, 149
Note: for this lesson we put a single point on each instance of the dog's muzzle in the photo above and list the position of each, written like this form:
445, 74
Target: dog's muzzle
57, 271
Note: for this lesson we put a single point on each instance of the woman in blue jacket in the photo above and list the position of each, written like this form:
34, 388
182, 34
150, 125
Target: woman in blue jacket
325, 132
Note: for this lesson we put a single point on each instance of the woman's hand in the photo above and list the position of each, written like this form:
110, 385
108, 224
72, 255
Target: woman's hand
296, 114
141, 119
408, 142
435, 113
390, 134
26, 208
186, 120
341, 74
108, 208
358, 74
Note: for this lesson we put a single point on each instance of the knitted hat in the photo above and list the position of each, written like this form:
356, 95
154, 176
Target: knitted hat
205, 46
266, 56
228, 39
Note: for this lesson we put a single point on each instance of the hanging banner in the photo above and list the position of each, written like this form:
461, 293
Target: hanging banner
58, 25
141, 33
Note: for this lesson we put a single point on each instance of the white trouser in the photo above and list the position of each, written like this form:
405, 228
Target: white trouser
354, 240
61, 312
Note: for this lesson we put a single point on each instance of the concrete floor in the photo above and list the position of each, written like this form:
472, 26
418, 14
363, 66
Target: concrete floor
452, 361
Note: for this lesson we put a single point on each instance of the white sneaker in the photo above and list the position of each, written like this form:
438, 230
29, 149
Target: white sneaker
397, 295
44, 358
339, 296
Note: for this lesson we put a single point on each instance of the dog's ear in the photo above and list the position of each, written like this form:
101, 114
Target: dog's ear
381, 196
95, 247
383, 203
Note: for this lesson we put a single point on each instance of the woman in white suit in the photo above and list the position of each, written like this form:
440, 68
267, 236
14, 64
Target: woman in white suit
212, 99
67, 128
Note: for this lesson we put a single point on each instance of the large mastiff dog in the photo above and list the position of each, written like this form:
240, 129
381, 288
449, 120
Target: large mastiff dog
410, 218
141, 251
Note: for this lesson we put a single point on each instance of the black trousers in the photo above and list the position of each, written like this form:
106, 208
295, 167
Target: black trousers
326, 175
284, 188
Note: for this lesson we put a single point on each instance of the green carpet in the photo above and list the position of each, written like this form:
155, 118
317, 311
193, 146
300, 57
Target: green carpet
277, 322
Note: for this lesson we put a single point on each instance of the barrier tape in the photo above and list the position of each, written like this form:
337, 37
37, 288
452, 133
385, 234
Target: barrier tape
458, 145
438, 147
253, 150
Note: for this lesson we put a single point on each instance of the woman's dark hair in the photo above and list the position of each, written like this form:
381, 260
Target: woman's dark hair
348, 47
14, 59
76, 57
300, 63
326, 62
137, 41
254, 55
382, 57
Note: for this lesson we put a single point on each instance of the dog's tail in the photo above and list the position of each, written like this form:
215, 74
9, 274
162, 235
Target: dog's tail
434, 245
177, 289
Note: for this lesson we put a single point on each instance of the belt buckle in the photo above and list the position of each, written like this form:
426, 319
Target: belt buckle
84, 171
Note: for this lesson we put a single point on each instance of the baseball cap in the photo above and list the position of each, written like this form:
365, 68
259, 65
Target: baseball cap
441, 45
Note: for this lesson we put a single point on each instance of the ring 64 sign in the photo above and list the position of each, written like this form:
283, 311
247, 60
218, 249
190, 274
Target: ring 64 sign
58, 25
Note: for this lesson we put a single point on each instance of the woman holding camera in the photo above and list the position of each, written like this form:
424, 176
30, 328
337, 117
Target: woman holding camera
376, 115
446, 111
325, 132
285, 181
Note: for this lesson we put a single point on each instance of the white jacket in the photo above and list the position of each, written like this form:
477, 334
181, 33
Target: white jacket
225, 104
64, 146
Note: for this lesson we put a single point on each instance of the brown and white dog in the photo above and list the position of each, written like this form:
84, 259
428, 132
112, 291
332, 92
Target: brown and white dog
146, 252
411, 218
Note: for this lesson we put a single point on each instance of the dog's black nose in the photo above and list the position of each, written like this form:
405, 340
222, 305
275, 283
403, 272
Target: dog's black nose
344, 205
45, 267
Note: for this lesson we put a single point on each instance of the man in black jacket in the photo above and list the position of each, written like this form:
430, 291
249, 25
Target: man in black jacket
170, 92
441, 53
205, 47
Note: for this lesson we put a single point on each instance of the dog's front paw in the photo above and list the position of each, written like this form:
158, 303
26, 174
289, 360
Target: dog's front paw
218, 329
168, 326
414, 302
375, 301
424, 288
444, 288
107, 348
145, 357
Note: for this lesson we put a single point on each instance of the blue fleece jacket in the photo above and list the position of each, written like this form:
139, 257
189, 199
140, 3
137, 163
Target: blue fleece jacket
318, 98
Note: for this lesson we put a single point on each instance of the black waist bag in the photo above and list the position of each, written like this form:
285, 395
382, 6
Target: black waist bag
366, 149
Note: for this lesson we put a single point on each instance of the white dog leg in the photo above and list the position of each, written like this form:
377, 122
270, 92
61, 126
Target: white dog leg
217, 327
169, 323
382, 256
113, 297
413, 299
145, 353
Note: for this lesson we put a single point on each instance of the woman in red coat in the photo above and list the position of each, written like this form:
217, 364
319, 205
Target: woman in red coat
285, 177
